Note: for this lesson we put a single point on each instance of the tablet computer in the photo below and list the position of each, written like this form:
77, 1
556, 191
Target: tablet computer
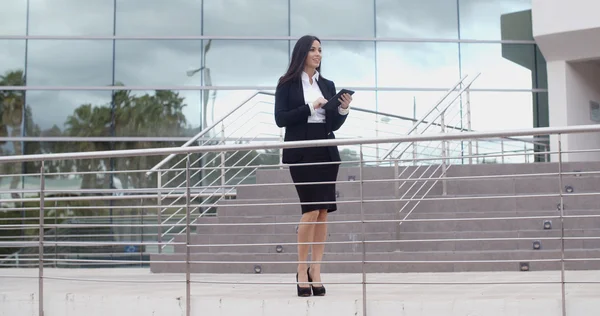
334, 102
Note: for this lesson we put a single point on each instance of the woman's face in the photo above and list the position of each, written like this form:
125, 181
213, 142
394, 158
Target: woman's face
313, 60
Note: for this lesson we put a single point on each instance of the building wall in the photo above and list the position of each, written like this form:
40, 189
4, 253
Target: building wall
573, 85
559, 16
567, 33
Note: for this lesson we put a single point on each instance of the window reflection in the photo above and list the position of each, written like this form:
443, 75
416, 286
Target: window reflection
417, 19
75, 63
12, 55
497, 110
417, 65
348, 18
246, 18
69, 113
501, 65
158, 62
349, 63
14, 17
410, 104
248, 62
70, 17
482, 19
12, 104
159, 18
162, 113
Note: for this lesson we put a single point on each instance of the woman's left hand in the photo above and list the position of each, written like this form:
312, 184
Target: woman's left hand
345, 100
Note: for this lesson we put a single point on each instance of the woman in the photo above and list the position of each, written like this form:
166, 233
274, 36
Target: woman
299, 98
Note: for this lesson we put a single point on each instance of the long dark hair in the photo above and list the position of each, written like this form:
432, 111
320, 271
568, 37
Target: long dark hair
299, 54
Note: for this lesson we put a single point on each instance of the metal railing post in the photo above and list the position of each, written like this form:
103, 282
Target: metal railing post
562, 227
476, 150
223, 162
280, 150
41, 244
525, 152
159, 212
444, 155
469, 127
502, 148
188, 284
363, 238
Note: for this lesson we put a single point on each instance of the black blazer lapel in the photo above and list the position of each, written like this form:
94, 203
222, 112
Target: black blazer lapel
324, 89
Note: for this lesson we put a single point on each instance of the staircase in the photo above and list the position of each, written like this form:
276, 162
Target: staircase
508, 220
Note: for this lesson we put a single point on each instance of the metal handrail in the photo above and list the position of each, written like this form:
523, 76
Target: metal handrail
541, 131
448, 92
206, 130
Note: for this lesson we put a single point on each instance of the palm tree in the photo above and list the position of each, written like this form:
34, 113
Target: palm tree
11, 118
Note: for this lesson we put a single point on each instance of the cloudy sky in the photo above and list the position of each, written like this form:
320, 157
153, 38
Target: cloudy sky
260, 63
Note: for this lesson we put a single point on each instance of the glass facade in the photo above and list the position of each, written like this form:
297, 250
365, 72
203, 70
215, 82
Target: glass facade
175, 54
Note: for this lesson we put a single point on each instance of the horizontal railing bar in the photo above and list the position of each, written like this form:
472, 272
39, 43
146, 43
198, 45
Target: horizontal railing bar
264, 38
407, 160
251, 88
117, 139
447, 198
49, 260
416, 220
300, 144
284, 282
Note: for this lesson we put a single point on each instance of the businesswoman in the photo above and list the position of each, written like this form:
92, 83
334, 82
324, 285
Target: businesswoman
299, 98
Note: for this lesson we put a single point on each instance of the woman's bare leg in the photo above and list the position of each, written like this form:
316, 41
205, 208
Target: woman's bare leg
306, 234
320, 235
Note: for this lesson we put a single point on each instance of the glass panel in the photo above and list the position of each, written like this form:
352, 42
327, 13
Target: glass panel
158, 62
482, 20
352, 18
54, 62
159, 18
11, 122
70, 114
161, 113
12, 54
417, 19
246, 18
417, 65
228, 62
349, 63
14, 17
71, 17
501, 110
409, 104
501, 65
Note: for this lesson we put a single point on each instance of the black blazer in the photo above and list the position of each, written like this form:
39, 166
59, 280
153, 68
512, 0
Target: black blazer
292, 112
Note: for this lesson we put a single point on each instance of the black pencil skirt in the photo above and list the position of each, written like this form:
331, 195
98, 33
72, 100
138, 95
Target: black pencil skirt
314, 193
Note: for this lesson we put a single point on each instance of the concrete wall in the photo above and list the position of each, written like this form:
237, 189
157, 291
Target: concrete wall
572, 85
567, 34
559, 16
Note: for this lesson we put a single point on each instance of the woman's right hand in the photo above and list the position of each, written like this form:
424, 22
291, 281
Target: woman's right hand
319, 103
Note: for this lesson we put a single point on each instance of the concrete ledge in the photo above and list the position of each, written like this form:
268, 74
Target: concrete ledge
138, 292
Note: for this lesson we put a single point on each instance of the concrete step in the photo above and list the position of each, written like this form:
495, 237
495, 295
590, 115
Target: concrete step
267, 243
273, 225
478, 221
432, 203
292, 207
350, 262
350, 243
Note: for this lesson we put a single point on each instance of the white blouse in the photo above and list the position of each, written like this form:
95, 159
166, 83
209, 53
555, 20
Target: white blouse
312, 93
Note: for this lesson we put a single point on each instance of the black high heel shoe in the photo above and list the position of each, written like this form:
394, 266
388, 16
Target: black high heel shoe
317, 290
302, 291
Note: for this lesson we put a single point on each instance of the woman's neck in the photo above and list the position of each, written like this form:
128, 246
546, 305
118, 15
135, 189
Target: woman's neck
309, 71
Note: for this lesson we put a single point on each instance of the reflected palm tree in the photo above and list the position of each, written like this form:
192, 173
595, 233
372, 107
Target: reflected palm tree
11, 119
